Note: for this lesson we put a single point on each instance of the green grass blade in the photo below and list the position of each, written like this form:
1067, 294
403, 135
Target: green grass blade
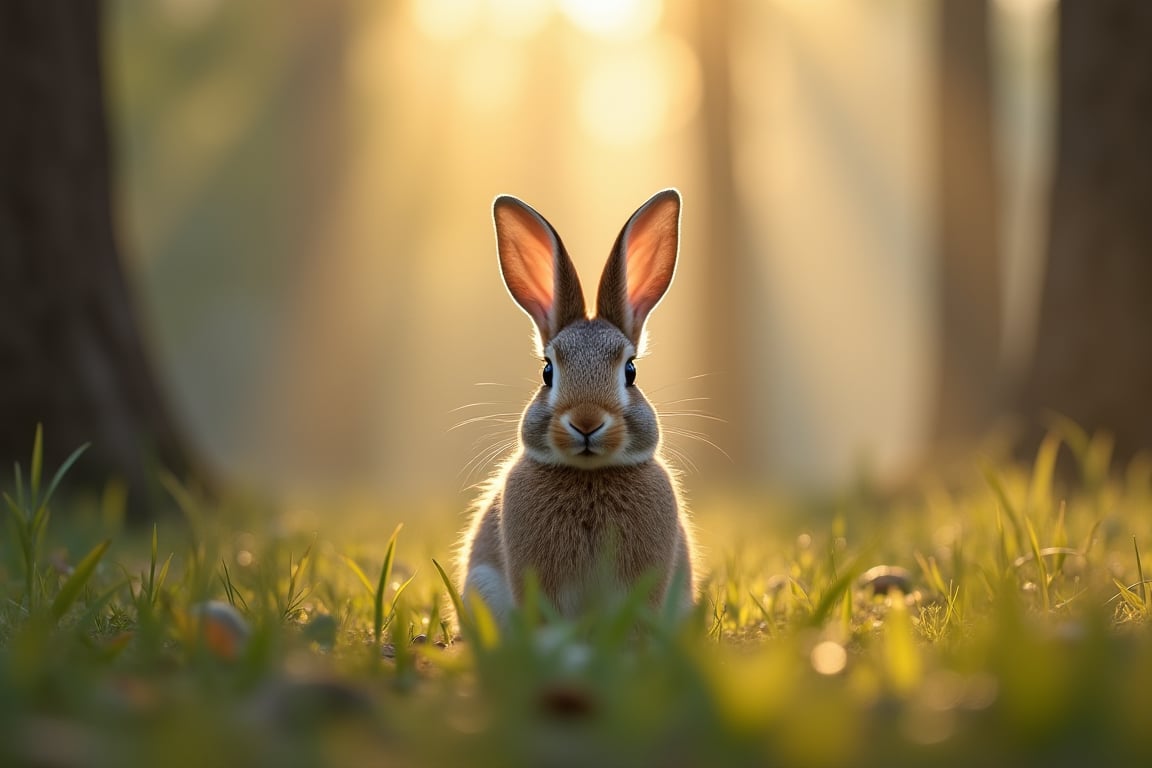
356, 569
931, 573
1043, 469
37, 466
73, 586
18, 506
485, 630
531, 603
993, 480
294, 598
155, 545
902, 661
152, 561
382, 585
453, 594
97, 604
1072, 433
63, 470
163, 576
226, 580
1140, 573
833, 593
1060, 537
1129, 596
230, 589
1041, 566
394, 605
1090, 538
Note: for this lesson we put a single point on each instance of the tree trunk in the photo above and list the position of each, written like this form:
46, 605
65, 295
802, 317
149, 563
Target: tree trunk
968, 372
71, 356
730, 286
1093, 355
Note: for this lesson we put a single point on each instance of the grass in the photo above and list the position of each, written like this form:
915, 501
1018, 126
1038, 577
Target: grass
1007, 624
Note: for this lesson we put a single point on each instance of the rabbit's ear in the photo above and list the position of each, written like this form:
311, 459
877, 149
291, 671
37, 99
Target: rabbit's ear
536, 268
641, 266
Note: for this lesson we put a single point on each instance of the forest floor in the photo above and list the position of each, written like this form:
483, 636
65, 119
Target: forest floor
1000, 621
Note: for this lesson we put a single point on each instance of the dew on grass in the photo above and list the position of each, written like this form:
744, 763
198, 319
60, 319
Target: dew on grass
829, 658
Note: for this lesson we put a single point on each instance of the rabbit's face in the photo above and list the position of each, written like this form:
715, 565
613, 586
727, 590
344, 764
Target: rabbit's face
589, 412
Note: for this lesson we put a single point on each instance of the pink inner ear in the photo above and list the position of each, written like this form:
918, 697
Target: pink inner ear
527, 260
651, 250
530, 285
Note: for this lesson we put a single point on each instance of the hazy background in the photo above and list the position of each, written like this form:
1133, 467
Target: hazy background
305, 198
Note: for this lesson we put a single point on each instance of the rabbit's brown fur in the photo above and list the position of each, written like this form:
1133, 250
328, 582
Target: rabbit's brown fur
587, 504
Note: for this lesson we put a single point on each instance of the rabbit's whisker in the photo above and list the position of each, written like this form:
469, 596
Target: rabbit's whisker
699, 436
681, 458
683, 400
694, 414
485, 456
474, 405
680, 383
484, 442
498, 418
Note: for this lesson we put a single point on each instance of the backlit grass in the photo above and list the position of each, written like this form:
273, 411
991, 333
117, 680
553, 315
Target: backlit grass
1003, 622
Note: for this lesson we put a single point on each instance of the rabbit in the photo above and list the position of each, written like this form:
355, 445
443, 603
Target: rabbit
586, 504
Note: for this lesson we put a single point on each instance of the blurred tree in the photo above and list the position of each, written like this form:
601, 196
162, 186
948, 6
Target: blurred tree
729, 291
968, 391
1093, 355
71, 354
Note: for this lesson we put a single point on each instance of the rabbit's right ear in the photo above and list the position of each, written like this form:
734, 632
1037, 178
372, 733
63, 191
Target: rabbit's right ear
537, 270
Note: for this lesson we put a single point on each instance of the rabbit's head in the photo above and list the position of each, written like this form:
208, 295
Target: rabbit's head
589, 413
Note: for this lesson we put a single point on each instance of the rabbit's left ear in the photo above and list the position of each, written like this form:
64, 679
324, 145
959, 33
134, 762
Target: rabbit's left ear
642, 264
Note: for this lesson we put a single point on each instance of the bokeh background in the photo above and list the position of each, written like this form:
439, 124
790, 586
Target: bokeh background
303, 201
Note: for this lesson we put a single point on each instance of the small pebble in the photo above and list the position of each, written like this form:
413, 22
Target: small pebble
566, 702
221, 628
882, 579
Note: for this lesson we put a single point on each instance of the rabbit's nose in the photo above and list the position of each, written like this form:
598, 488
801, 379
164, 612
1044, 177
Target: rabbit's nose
587, 428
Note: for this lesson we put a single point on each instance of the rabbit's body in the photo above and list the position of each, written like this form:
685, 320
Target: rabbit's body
558, 522
587, 506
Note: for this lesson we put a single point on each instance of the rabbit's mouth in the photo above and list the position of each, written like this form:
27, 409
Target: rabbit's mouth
587, 436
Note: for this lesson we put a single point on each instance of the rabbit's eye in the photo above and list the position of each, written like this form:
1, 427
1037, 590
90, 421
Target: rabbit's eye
629, 373
547, 372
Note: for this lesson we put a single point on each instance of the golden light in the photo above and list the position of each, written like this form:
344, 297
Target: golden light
518, 19
633, 94
614, 18
446, 19
490, 76
829, 658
